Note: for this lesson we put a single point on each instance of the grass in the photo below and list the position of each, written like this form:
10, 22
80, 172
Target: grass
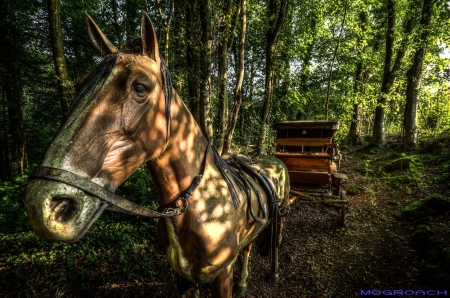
117, 247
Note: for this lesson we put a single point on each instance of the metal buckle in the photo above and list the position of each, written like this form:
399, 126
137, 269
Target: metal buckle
283, 210
184, 206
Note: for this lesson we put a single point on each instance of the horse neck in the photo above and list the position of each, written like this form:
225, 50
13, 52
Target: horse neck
180, 162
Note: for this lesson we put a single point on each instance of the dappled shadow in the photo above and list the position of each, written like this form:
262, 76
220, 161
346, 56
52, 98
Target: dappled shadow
128, 122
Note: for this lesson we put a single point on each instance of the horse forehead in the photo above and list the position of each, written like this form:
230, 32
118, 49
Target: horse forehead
134, 62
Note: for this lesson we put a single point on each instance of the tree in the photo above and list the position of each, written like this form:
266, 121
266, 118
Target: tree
390, 69
240, 78
206, 122
414, 77
230, 13
276, 13
327, 102
64, 83
193, 63
360, 74
12, 47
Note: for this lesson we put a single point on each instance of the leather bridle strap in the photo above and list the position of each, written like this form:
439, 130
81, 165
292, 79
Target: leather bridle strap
114, 202
117, 202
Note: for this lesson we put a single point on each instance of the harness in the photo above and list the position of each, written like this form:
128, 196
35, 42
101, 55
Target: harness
115, 202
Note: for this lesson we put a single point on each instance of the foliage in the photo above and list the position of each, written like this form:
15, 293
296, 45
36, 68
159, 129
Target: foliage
410, 174
116, 245
12, 213
432, 205
435, 265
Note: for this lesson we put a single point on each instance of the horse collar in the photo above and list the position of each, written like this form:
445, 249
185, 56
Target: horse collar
179, 206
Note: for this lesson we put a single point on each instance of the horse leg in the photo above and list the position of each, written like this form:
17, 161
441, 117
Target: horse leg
222, 285
276, 232
185, 289
241, 287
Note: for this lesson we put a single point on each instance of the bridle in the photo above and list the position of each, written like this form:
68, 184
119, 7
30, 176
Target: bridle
114, 202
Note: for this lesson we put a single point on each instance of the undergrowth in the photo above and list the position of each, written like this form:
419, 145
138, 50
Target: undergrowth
119, 246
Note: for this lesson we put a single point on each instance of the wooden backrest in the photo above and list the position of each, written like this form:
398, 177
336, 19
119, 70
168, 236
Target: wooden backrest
304, 142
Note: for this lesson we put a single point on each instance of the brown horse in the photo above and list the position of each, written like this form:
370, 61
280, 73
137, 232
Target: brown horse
125, 114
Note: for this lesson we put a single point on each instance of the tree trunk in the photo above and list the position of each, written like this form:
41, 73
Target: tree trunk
389, 74
238, 89
355, 126
15, 112
205, 84
414, 74
193, 61
327, 101
178, 56
167, 24
226, 29
116, 23
276, 17
5, 156
10, 45
65, 85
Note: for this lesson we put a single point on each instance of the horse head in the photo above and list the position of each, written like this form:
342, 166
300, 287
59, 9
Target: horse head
104, 137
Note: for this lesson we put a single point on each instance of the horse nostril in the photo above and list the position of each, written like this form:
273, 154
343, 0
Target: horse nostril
63, 208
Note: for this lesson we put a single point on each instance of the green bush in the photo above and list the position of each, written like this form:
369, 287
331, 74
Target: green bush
432, 205
12, 212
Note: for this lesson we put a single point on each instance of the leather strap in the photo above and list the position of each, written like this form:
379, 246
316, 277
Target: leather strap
115, 202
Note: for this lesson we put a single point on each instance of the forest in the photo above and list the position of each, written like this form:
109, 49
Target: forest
379, 68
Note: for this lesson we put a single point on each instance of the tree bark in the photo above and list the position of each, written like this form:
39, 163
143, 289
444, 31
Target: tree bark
355, 126
66, 88
240, 78
414, 77
167, 25
390, 71
205, 84
193, 61
226, 28
276, 17
327, 101
11, 86
5, 156
179, 52
116, 23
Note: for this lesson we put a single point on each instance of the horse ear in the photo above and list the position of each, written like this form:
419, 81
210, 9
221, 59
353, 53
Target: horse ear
148, 38
99, 41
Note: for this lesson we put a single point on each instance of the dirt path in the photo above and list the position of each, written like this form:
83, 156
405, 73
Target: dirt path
321, 259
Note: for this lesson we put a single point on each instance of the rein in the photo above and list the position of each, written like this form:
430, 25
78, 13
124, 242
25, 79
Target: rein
115, 202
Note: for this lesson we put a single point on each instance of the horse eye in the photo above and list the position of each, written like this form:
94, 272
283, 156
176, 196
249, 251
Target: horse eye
140, 89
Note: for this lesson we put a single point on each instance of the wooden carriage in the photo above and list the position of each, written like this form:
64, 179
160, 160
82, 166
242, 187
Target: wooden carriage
312, 157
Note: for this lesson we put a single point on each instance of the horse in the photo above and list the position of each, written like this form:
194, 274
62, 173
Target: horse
126, 113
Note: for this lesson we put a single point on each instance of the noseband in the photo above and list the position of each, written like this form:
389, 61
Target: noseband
115, 202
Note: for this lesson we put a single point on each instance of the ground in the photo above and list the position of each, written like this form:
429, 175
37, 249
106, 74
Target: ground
318, 258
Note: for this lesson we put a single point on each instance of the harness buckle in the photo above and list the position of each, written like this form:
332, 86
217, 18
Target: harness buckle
184, 205
283, 210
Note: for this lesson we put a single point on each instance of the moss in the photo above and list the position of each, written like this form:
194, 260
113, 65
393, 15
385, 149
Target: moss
355, 189
432, 205
421, 240
435, 266
434, 275
398, 164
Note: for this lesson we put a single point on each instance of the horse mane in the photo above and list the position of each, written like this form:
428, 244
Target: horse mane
167, 86
97, 78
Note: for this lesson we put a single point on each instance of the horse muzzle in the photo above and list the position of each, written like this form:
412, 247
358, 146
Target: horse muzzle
60, 212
